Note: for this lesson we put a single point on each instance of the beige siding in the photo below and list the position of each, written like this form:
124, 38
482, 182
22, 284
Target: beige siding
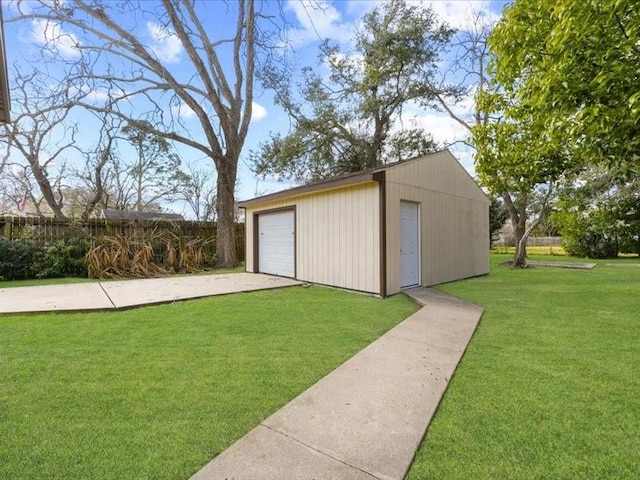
454, 220
337, 236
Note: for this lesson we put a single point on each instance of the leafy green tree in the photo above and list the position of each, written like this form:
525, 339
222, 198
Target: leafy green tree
516, 161
567, 98
599, 214
575, 66
500, 139
345, 122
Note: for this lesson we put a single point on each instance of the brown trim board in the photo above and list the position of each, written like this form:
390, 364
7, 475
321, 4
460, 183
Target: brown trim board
256, 236
254, 242
381, 178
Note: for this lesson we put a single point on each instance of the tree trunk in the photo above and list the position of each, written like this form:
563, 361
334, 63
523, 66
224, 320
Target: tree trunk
139, 192
518, 218
45, 187
520, 255
225, 210
98, 193
521, 232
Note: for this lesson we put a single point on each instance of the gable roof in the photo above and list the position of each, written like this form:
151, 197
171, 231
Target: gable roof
5, 103
111, 214
369, 175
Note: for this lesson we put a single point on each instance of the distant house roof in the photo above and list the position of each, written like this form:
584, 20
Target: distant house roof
111, 214
5, 104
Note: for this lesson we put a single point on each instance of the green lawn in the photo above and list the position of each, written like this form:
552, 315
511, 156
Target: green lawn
549, 387
157, 392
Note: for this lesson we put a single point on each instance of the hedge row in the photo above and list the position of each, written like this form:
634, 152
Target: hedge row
24, 259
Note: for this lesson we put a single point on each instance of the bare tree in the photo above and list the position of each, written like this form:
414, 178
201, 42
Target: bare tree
18, 191
107, 44
96, 175
198, 191
467, 75
39, 135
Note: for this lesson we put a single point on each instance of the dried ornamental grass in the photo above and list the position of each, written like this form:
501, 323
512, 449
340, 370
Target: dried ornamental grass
122, 257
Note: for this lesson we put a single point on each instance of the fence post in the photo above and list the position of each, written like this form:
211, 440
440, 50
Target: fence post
8, 224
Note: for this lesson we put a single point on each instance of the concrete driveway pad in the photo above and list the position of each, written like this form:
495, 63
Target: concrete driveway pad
366, 418
74, 296
129, 293
111, 295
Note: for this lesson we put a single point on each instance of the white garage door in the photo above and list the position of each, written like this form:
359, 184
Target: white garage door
409, 244
276, 243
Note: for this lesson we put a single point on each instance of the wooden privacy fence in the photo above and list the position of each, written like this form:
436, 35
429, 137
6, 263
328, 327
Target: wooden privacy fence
544, 241
47, 230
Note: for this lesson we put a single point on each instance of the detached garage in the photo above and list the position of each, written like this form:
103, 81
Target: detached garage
419, 222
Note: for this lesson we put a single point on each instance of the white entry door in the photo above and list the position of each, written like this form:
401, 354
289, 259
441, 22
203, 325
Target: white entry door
276, 243
409, 244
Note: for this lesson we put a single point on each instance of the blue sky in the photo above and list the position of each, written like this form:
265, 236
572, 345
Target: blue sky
311, 22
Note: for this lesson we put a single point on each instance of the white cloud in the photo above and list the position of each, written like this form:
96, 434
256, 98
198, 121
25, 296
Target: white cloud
458, 14
51, 36
318, 20
354, 61
183, 111
466, 106
95, 96
164, 43
258, 112
445, 131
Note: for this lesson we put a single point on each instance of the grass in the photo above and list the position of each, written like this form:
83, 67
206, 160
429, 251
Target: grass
65, 280
43, 281
553, 251
549, 385
550, 250
157, 392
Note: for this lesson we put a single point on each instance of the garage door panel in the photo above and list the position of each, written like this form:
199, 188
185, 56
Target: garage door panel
276, 243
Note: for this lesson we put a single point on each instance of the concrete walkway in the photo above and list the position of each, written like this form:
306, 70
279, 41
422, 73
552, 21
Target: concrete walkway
364, 420
112, 295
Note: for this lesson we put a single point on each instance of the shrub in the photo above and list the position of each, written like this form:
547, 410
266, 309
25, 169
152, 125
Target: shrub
63, 258
586, 235
17, 259
630, 244
591, 245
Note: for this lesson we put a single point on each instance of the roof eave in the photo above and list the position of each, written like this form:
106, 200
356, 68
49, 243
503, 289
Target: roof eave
306, 189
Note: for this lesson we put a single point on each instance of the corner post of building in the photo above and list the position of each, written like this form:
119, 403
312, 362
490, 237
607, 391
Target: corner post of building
381, 178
